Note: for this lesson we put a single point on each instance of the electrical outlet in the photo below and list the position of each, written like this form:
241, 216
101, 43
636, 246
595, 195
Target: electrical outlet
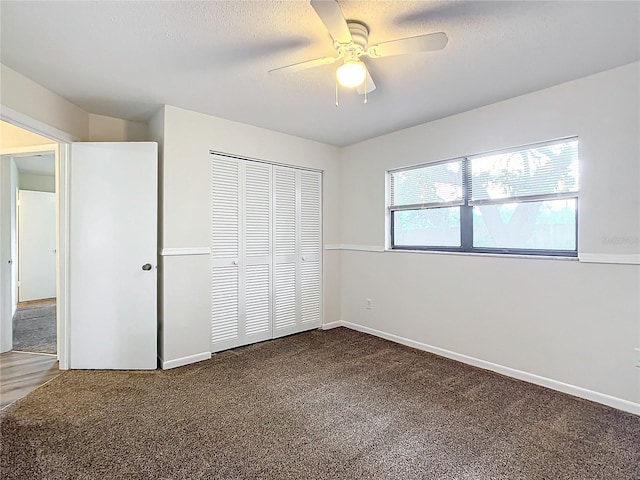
368, 304
638, 357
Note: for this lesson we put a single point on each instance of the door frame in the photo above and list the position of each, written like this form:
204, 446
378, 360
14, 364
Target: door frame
62, 150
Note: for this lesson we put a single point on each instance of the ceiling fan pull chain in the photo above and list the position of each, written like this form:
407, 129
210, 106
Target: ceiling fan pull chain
337, 92
365, 88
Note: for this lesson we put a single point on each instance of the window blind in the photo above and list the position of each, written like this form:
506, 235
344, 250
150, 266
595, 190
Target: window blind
428, 186
544, 171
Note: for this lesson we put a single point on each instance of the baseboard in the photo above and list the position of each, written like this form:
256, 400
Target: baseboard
179, 362
330, 325
608, 400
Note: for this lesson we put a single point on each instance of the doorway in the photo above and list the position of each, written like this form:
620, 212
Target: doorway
30, 319
34, 321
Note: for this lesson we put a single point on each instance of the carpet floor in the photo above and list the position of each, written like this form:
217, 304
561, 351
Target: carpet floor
35, 329
319, 405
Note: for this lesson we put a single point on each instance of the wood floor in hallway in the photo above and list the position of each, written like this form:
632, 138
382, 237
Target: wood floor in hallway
21, 373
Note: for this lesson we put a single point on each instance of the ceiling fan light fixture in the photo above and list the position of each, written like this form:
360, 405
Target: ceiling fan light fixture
351, 73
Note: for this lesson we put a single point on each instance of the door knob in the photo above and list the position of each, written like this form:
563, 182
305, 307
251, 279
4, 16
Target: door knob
146, 267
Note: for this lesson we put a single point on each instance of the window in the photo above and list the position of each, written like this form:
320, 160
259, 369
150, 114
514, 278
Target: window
522, 200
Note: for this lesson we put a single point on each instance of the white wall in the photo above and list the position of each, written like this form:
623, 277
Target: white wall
186, 215
568, 321
156, 134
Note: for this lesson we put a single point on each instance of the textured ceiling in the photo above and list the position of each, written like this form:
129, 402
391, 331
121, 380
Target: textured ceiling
125, 59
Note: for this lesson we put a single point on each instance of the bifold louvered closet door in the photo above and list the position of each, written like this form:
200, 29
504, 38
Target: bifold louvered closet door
297, 250
265, 251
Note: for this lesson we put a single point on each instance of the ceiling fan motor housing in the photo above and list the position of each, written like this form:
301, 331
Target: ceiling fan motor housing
360, 40
359, 33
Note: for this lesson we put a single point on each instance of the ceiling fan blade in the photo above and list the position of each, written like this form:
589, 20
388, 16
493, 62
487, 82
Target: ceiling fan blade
370, 85
298, 67
421, 43
331, 15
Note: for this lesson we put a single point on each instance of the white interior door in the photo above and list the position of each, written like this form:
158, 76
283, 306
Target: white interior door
255, 260
310, 250
225, 254
113, 255
298, 253
36, 245
240, 253
266, 257
287, 252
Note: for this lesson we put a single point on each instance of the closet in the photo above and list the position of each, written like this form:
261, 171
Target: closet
266, 256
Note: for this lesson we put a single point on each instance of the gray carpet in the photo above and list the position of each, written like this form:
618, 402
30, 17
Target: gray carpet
319, 405
34, 329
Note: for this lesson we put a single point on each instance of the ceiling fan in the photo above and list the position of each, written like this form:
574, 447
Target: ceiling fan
351, 41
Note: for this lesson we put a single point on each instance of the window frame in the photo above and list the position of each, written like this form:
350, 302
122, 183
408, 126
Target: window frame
466, 210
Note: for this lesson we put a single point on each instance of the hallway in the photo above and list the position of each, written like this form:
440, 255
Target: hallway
34, 327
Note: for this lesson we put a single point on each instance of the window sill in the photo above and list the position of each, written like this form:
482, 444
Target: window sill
482, 254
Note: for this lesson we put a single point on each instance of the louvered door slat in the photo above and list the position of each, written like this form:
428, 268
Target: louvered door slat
285, 288
310, 292
257, 212
225, 217
224, 304
285, 211
310, 215
257, 306
310, 246
256, 247
285, 280
224, 208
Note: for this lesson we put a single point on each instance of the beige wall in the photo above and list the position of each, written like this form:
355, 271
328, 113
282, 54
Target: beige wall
20, 94
109, 129
38, 183
23, 95
15, 137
